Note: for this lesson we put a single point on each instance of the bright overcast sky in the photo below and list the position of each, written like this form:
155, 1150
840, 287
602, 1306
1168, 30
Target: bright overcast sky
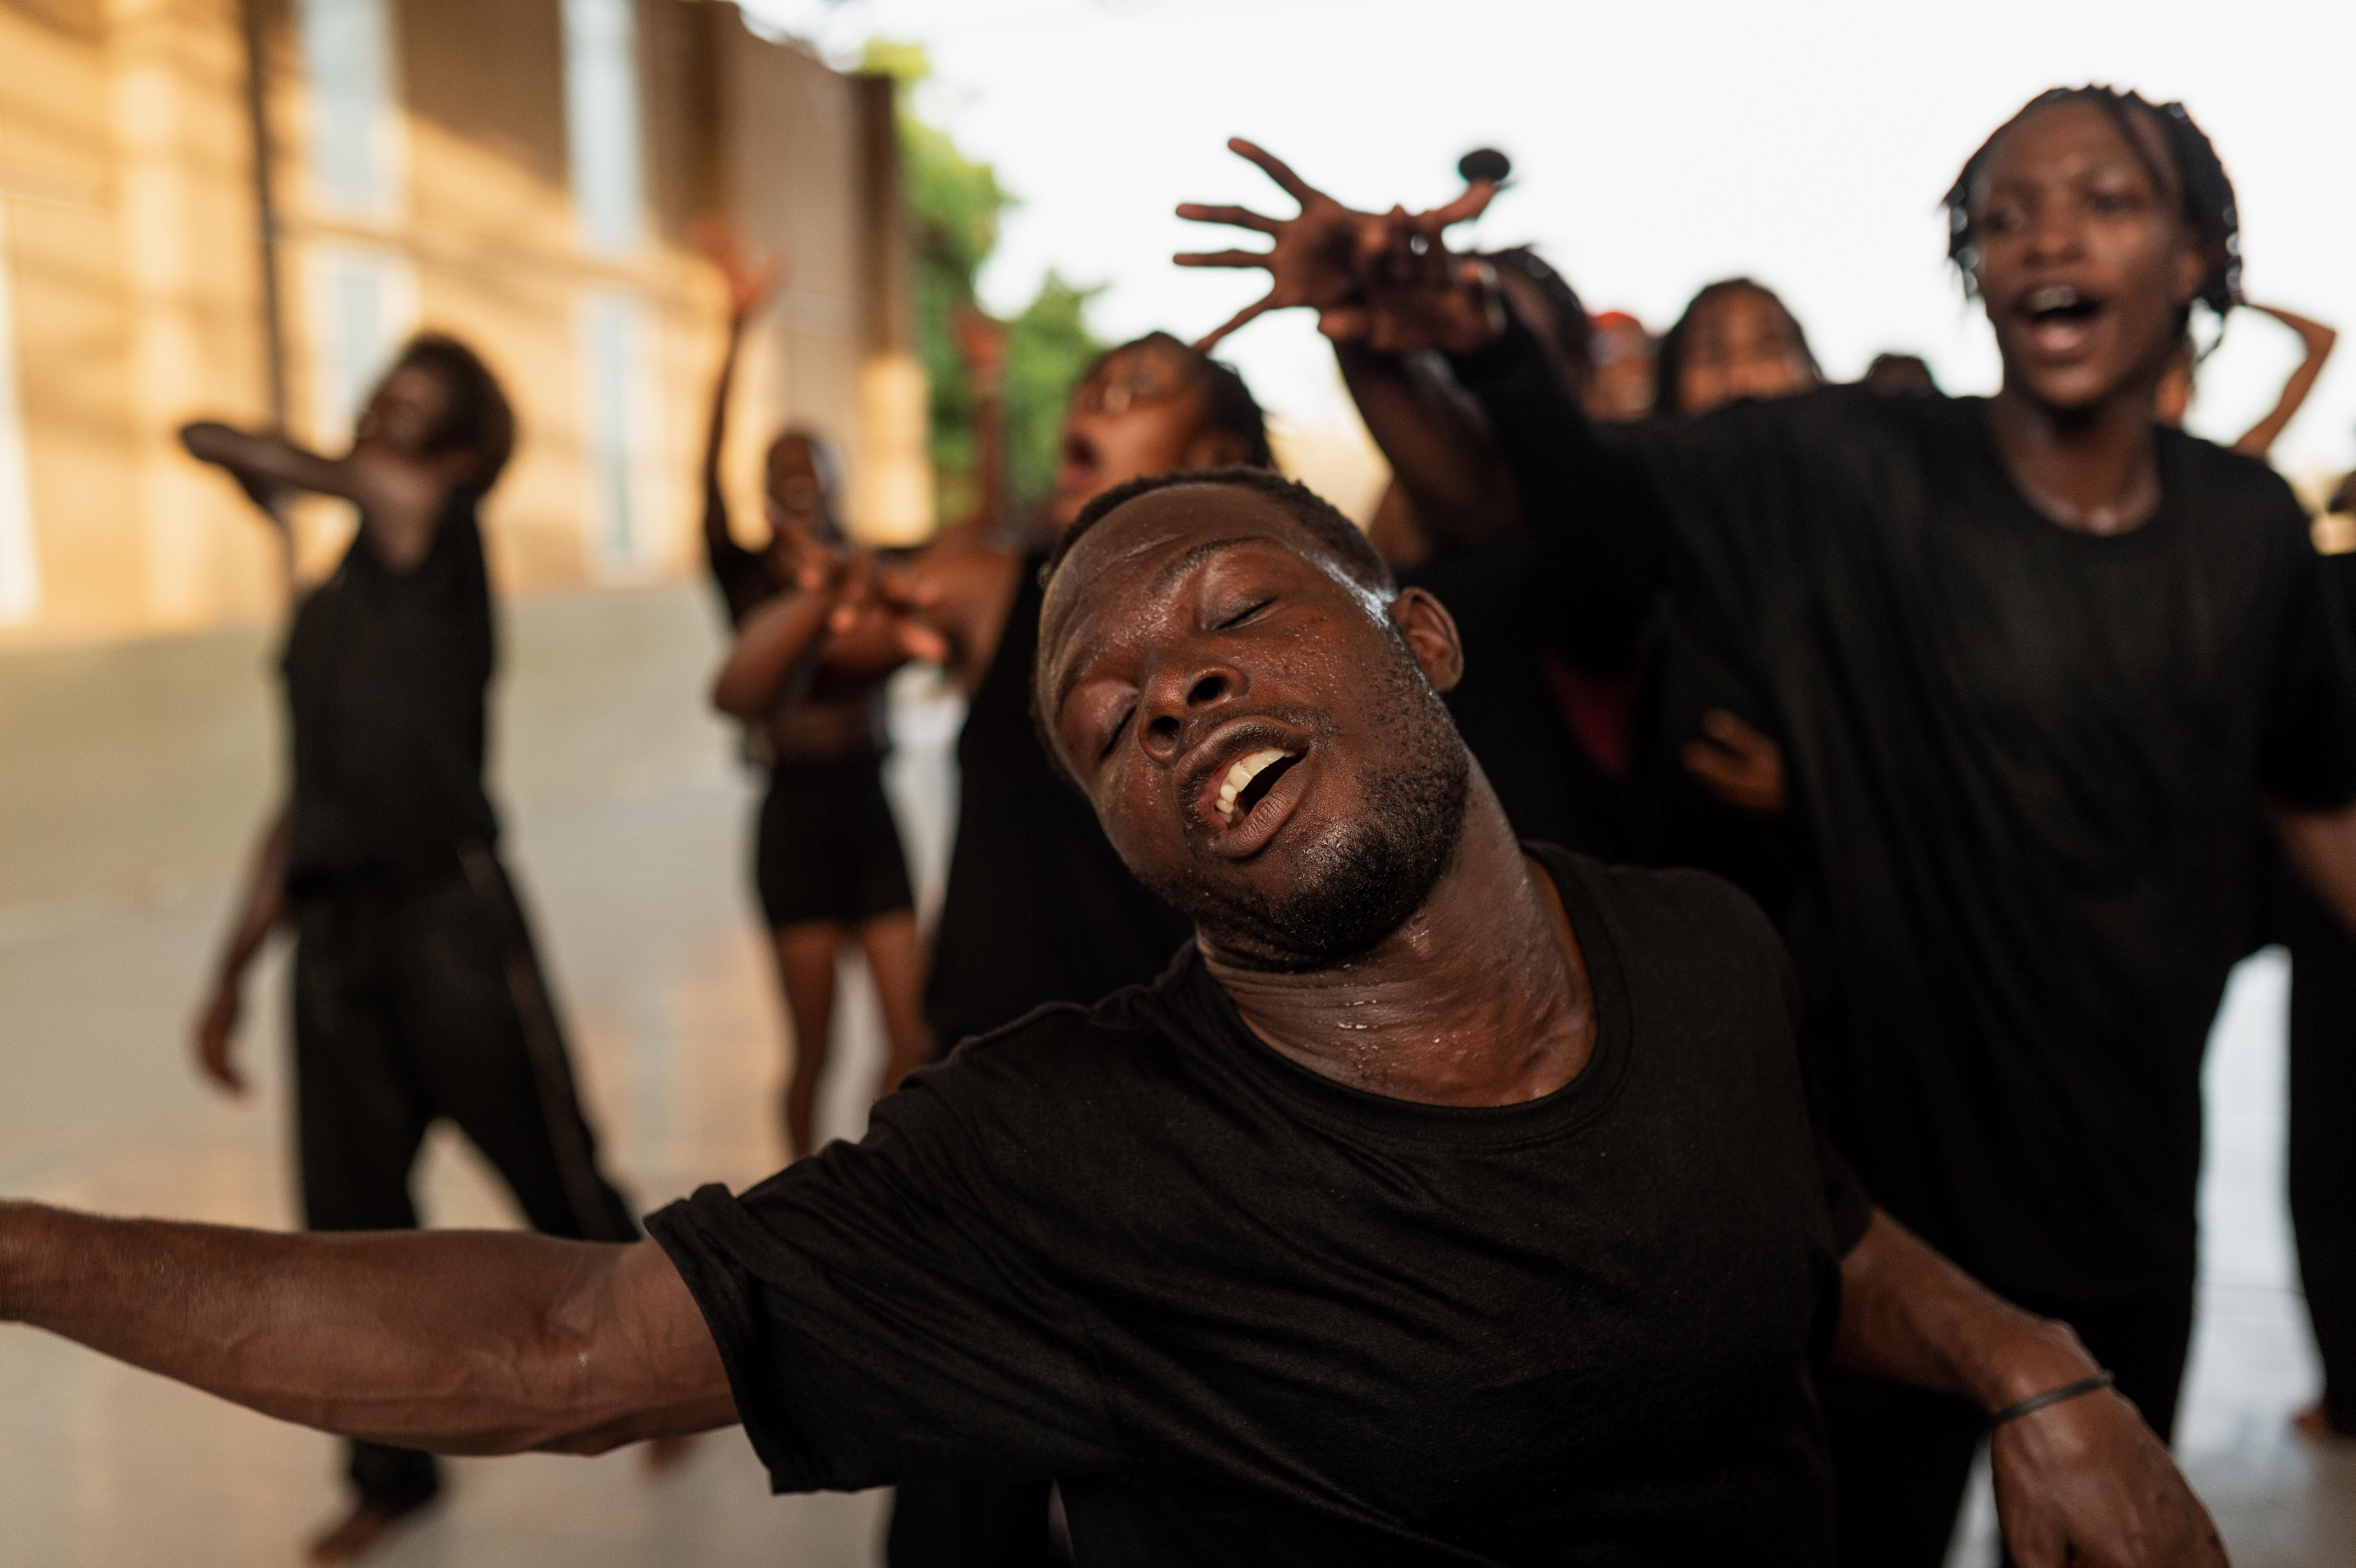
1656, 147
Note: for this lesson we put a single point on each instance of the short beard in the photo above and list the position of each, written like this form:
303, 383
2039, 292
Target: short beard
1363, 879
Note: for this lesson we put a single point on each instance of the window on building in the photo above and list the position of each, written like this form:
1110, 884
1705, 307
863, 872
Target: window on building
348, 64
20, 565
601, 122
619, 450
363, 306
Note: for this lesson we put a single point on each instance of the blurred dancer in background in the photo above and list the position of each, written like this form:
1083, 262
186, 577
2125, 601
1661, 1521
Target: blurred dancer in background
1038, 908
2040, 663
417, 995
1626, 359
826, 860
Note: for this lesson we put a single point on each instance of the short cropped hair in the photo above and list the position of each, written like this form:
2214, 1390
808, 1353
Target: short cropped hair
479, 421
1344, 543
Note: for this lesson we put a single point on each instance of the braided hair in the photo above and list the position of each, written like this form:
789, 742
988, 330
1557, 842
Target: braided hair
2205, 196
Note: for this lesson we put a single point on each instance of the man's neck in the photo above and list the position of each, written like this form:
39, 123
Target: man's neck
2093, 470
1480, 999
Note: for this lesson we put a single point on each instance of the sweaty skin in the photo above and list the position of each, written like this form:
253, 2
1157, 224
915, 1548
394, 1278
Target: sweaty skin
1193, 627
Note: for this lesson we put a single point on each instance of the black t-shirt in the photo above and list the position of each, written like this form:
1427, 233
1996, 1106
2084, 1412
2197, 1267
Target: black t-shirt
1038, 908
2026, 760
386, 674
1244, 1314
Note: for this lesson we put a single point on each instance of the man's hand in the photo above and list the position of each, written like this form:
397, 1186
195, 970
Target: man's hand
887, 604
2085, 1481
1385, 280
216, 1041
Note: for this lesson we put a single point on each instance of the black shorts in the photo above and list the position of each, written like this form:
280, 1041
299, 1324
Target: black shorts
826, 847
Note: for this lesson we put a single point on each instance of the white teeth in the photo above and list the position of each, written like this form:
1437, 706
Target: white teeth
1240, 775
2054, 296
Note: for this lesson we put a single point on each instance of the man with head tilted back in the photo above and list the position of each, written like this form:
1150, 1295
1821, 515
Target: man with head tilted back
1446, 1200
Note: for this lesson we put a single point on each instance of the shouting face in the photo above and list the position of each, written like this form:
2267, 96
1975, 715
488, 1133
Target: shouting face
2083, 259
1261, 734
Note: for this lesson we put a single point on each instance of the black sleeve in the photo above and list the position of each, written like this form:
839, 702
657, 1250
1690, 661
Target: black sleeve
879, 1322
1603, 541
2307, 748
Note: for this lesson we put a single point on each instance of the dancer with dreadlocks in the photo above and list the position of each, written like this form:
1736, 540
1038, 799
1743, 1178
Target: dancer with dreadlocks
2040, 663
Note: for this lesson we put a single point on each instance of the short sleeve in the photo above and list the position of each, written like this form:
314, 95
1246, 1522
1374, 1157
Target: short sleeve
879, 1321
2307, 749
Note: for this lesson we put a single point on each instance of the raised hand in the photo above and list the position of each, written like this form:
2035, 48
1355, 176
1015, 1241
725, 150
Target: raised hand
750, 283
1383, 279
1315, 260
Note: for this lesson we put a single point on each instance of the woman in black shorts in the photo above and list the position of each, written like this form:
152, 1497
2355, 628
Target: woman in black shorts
827, 858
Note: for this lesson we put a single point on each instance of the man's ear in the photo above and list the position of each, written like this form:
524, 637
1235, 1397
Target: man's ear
1215, 449
1432, 636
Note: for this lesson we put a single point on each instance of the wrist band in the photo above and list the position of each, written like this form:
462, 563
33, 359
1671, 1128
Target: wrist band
2051, 1396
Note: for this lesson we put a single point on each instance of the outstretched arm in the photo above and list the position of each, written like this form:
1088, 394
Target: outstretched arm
2081, 1481
399, 498
2317, 340
457, 1341
1385, 286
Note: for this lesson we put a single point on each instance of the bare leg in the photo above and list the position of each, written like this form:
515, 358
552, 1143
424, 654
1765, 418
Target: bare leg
806, 970
896, 960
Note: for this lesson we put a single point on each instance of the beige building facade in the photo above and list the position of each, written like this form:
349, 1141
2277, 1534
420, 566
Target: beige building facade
239, 210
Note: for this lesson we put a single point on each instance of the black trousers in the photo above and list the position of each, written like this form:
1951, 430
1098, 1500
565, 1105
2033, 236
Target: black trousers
1902, 1457
2323, 1130
409, 1008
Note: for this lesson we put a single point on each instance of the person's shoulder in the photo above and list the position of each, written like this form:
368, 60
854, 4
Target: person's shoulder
1670, 920
2231, 487
1060, 1046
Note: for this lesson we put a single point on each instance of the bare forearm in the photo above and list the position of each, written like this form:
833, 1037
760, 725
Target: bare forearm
1911, 1317
460, 1342
2317, 340
266, 896
1437, 450
780, 641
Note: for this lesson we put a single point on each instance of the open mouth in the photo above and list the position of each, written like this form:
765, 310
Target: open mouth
1249, 782
2060, 318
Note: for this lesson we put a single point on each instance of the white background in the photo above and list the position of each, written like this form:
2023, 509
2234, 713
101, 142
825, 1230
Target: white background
1658, 145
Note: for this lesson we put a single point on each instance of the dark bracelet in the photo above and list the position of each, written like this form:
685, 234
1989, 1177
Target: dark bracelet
2035, 1402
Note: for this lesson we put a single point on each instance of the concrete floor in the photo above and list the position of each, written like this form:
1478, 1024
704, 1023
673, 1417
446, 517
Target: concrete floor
117, 846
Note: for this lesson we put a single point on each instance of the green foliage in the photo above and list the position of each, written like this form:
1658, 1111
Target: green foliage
954, 205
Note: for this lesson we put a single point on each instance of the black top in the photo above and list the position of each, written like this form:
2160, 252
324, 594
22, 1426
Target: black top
1509, 716
743, 577
1248, 1314
1038, 908
2026, 760
385, 681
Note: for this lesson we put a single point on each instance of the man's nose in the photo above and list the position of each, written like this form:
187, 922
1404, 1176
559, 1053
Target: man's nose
1181, 700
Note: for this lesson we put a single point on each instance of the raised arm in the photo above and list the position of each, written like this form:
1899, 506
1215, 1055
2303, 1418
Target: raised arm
857, 617
2317, 340
399, 498
1385, 286
1439, 450
455, 1341
2079, 1478
736, 570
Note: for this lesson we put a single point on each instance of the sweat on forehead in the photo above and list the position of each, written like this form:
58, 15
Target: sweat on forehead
1166, 521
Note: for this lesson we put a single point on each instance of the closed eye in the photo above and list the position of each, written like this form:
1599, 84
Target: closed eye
1241, 616
1114, 738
